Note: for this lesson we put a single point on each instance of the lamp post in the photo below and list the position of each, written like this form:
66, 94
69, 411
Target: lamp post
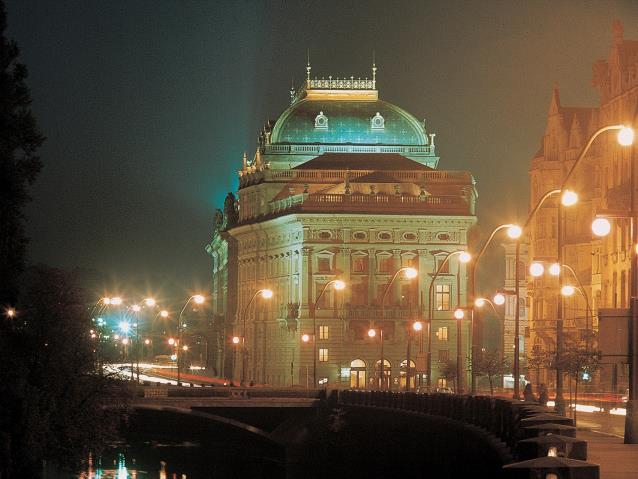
266, 294
338, 285
198, 299
410, 273
464, 257
417, 326
459, 314
514, 232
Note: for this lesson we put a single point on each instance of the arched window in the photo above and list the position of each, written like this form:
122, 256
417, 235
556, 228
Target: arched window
358, 374
403, 372
383, 382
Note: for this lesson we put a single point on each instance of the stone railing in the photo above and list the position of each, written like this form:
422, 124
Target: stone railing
301, 149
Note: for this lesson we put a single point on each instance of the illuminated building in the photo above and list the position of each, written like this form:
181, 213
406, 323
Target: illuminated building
342, 186
602, 181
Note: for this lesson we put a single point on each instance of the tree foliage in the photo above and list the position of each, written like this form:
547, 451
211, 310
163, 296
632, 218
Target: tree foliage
53, 400
19, 163
489, 364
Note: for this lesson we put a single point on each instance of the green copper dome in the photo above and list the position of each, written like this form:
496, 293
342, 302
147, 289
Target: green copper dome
358, 122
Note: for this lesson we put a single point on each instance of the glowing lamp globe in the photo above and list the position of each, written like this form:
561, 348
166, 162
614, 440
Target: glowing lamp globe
536, 269
372, 333
11, 312
124, 341
106, 300
514, 231
171, 341
236, 339
198, 298
164, 313
125, 327
465, 257
185, 348
601, 226
626, 136
569, 198
554, 269
339, 285
499, 299
479, 302
116, 301
173, 357
459, 314
266, 293
305, 338
417, 326
567, 290
136, 308
410, 273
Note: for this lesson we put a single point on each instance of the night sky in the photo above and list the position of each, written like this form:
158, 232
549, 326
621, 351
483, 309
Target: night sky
149, 105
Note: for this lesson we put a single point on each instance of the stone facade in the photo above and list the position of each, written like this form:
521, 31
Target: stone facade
602, 181
342, 186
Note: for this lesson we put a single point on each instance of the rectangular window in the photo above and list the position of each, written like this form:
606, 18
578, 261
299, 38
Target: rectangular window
408, 262
441, 334
359, 293
323, 355
360, 264
440, 267
443, 297
323, 265
385, 264
444, 355
324, 301
323, 332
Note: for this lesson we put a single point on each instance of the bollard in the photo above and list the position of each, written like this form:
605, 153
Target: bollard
565, 446
547, 428
559, 467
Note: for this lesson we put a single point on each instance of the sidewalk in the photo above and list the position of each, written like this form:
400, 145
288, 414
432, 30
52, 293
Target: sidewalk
616, 459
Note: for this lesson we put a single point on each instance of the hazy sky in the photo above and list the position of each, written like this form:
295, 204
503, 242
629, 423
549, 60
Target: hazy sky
149, 105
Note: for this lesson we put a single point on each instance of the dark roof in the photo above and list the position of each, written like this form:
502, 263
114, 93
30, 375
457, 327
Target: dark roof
361, 161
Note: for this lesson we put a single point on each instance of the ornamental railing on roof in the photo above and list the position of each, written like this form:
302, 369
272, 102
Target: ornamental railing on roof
321, 175
330, 83
416, 150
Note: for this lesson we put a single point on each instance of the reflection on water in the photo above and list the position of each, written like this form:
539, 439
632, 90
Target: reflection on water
144, 461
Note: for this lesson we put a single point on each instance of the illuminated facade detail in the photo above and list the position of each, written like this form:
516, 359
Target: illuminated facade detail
602, 181
348, 202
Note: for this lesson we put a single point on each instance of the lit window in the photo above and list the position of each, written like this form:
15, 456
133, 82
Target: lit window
442, 297
323, 381
323, 332
323, 355
442, 333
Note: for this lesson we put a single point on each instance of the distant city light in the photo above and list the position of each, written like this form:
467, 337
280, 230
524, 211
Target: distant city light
150, 302
305, 338
116, 301
171, 341
11, 312
125, 327
124, 341
136, 307
147, 341
198, 298
236, 339
417, 326
173, 357
164, 313
372, 333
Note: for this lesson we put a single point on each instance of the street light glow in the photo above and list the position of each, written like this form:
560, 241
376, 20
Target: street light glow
499, 299
626, 136
164, 313
601, 226
554, 269
125, 341
417, 326
11, 312
372, 333
125, 327
136, 307
411, 273
116, 301
514, 231
479, 302
171, 341
536, 269
459, 314
147, 341
266, 293
465, 257
106, 300
567, 290
173, 357
198, 298
305, 338
236, 339
150, 302
339, 285
569, 198
185, 347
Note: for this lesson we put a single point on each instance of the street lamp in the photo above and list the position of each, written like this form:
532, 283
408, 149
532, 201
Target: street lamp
10, 312
417, 326
266, 294
464, 257
409, 273
338, 285
514, 231
198, 299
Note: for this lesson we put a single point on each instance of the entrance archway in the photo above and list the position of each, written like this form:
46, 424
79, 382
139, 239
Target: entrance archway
403, 372
383, 383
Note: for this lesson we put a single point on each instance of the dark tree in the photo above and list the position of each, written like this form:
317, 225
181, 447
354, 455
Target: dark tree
19, 163
489, 364
53, 402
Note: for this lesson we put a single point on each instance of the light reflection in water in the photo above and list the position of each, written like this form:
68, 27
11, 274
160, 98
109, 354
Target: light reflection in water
120, 470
